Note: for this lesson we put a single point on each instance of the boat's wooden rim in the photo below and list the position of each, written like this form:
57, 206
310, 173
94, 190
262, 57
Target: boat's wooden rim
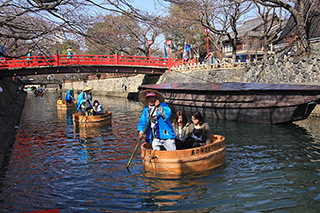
93, 118
64, 104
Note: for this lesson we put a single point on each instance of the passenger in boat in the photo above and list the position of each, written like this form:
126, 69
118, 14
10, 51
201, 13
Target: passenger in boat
59, 101
84, 102
97, 108
180, 126
70, 97
199, 133
159, 131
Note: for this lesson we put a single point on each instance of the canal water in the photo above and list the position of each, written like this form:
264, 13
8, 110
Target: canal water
55, 166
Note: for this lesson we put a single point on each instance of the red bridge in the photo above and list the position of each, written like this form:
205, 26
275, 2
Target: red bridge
33, 65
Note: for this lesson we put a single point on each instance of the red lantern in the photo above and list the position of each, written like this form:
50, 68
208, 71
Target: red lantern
206, 30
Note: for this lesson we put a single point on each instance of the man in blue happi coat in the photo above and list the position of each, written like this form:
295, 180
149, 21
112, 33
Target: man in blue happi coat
159, 131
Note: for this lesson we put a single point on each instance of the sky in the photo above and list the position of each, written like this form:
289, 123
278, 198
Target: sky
152, 6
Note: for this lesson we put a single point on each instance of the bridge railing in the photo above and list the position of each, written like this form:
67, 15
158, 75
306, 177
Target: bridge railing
66, 60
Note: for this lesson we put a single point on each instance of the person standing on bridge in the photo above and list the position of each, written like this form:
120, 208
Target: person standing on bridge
84, 102
29, 56
159, 131
69, 53
70, 97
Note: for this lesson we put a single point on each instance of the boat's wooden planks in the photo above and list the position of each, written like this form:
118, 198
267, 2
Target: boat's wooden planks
185, 161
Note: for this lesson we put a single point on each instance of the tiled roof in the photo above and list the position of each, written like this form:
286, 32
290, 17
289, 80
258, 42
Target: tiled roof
250, 28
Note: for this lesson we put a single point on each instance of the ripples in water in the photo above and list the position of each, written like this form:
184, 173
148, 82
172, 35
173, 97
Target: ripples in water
55, 166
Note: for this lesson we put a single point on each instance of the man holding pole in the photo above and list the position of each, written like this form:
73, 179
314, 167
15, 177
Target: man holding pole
159, 130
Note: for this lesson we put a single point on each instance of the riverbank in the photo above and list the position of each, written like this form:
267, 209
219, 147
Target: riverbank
12, 99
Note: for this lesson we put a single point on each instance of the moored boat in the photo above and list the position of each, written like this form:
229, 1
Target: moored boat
90, 121
247, 102
185, 161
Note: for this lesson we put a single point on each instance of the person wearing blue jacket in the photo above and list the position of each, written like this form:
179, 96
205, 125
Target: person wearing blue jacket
84, 102
160, 131
70, 97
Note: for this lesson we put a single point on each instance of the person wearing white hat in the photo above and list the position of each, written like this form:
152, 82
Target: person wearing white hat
159, 131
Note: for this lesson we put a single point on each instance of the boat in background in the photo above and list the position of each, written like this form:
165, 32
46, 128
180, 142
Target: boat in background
38, 93
66, 106
185, 161
92, 120
245, 102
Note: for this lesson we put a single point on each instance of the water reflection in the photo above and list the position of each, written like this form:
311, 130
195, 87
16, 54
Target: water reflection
55, 166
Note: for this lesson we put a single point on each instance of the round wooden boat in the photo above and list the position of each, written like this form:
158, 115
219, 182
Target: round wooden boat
37, 93
185, 161
66, 105
93, 120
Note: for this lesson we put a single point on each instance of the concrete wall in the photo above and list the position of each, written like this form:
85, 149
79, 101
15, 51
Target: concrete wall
112, 86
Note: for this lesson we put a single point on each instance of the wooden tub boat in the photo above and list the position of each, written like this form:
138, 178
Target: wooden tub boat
67, 106
245, 102
185, 161
38, 93
90, 121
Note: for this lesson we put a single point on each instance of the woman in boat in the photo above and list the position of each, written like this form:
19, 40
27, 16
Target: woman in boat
199, 133
84, 102
159, 131
97, 108
180, 126
70, 97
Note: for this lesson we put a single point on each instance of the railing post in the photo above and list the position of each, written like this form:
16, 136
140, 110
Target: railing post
57, 59
116, 58
169, 63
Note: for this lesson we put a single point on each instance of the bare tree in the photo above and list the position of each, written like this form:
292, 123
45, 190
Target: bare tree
24, 24
120, 34
300, 10
272, 26
221, 17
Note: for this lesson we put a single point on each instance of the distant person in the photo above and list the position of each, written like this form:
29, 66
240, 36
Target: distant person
97, 108
59, 101
159, 131
84, 103
199, 133
70, 97
180, 126
69, 53
29, 54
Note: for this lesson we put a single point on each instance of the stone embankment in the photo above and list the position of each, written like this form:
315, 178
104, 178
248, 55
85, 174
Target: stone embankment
12, 100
